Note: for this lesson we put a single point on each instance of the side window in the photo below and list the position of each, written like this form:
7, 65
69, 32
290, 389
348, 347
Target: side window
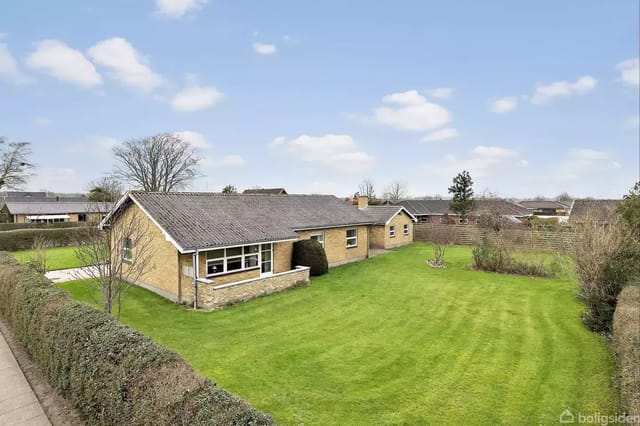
392, 231
405, 229
352, 238
127, 249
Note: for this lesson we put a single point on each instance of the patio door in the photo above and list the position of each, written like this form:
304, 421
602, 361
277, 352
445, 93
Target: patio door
266, 259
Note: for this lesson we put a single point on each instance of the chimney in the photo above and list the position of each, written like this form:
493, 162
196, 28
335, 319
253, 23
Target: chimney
57, 198
363, 202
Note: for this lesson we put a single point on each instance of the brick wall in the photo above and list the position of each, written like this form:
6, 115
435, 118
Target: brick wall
335, 244
215, 296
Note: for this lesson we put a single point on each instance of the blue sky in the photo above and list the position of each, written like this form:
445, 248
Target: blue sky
531, 97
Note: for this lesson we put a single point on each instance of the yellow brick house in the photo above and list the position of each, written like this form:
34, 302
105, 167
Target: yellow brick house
391, 226
212, 249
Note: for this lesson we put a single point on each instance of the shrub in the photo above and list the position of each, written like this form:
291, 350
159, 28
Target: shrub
491, 257
38, 260
626, 343
111, 373
34, 225
310, 253
24, 239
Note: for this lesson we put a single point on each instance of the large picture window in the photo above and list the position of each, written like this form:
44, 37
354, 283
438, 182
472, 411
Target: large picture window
352, 238
234, 259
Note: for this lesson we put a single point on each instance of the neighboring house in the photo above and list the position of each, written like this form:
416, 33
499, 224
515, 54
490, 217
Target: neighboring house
546, 208
392, 226
54, 211
602, 211
439, 211
226, 248
268, 191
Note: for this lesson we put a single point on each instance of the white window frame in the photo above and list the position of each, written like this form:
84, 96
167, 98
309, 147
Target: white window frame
392, 231
405, 229
320, 239
243, 256
127, 248
354, 238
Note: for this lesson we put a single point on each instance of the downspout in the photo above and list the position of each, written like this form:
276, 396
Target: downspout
368, 240
196, 264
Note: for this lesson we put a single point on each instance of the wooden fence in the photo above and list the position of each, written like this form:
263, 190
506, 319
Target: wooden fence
529, 239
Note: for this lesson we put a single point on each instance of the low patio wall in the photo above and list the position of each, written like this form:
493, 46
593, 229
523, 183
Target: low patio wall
211, 296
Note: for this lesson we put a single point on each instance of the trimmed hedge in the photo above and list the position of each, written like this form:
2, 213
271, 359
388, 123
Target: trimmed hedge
111, 373
23, 239
33, 225
310, 253
626, 343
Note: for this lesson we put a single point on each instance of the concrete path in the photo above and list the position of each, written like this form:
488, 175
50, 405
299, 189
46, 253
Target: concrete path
18, 403
64, 275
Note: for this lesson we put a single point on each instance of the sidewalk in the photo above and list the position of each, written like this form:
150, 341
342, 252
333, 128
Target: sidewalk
64, 275
18, 403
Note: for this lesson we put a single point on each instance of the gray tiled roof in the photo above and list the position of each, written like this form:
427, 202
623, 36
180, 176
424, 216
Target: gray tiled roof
426, 207
441, 207
206, 220
600, 210
380, 215
53, 207
543, 204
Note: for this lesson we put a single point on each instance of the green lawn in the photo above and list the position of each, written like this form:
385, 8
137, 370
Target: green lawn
391, 340
57, 257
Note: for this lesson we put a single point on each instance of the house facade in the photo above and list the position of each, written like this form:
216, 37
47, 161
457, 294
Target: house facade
392, 226
54, 211
211, 250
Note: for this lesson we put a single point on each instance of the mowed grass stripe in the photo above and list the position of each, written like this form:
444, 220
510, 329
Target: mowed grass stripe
391, 340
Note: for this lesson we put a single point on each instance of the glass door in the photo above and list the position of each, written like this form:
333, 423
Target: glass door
266, 259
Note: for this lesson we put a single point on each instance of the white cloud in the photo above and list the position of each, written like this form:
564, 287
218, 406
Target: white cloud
57, 179
232, 160
441, 135
195, 139
482, 161
584, 162
504, 105
42, 121
97, 145
265, 49
411, 112
339, 152
278, 140
125, 64
441, 92
64, 63
544, 94
8, 65
177, 8
630, 72
195, 98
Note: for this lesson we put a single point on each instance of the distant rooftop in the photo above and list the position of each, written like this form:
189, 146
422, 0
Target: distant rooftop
600, 210
271, 191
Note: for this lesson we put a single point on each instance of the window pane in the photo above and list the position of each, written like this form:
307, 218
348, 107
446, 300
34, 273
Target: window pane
234, 264
266, 267
266, 256
236, 251
266, 247
251, 261
351, 233
215, 267
251, 249
215, 254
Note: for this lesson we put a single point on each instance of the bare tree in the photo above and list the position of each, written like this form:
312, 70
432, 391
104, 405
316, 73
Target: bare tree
367, 189
115, 256
38, 259
159, 163
396, 191
14, 163
440, 236
107, 189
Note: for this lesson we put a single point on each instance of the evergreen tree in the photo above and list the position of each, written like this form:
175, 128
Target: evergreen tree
462, 190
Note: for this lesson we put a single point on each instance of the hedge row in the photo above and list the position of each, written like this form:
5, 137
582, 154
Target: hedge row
626, 343
111, 373
33, 225
23, 239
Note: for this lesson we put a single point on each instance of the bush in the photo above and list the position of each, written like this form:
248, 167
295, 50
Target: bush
33, 225
24, 239
626, 343
310, 253
490, 257
111, 373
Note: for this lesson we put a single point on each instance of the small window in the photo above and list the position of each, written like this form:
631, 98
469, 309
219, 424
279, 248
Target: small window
405, 229
352, 238
82, 217
215, 266
127, 249
463, 221
319, 237
392, 231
